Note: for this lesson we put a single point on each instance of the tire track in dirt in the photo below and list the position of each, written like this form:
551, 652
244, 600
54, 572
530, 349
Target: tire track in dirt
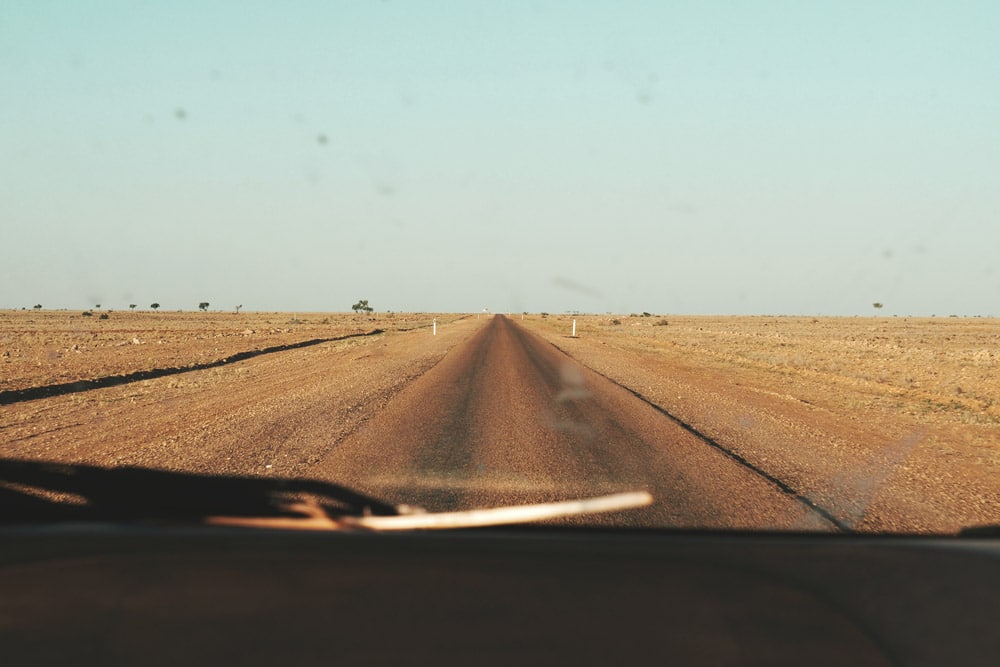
77, 386
272, 415
732, 454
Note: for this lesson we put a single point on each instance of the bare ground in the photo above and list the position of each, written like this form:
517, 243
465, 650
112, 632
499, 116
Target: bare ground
862, 414
888, 422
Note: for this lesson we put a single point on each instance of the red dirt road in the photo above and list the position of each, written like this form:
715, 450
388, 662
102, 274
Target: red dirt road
506, 418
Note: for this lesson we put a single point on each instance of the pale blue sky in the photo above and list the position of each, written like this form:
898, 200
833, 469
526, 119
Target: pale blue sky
686, 157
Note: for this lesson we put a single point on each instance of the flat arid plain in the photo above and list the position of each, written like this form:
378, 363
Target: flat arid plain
787, 423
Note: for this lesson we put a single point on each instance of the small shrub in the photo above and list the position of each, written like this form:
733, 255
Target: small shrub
616, 321
660, 323
103, 316
87, 313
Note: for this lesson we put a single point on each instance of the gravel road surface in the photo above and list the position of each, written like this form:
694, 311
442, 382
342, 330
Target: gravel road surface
506, 418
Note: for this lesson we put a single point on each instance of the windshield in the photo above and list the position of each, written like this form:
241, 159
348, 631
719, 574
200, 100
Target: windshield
739, 256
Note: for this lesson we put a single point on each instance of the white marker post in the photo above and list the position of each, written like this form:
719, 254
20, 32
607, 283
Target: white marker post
574, 328
435, 327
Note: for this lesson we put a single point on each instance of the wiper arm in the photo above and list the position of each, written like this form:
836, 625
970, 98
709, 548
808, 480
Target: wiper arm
419, 520
39, 491
44, 492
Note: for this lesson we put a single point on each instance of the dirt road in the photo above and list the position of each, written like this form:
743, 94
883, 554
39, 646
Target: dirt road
493, 411
506, 418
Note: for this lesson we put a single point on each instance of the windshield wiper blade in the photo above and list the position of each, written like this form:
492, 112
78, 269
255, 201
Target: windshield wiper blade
45, 492
317, 519
49, 492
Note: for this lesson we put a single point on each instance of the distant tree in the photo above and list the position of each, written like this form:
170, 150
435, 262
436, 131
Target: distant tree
97, 306
37, 306
203, 305
131, 306
362, 306
238, 308
877, 305
154, 305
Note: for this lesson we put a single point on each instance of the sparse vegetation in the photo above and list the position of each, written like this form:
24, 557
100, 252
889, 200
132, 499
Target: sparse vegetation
362, 306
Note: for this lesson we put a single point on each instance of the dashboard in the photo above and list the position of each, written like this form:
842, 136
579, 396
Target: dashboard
110, 594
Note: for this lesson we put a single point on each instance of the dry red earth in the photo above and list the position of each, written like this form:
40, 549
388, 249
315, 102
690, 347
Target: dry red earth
895, 420
51, 347
239, 418
887, 422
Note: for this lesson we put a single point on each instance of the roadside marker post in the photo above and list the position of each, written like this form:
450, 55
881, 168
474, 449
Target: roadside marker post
435, 327
574, 328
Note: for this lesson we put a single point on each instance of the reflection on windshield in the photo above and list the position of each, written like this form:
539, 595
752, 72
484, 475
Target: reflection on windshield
737, 259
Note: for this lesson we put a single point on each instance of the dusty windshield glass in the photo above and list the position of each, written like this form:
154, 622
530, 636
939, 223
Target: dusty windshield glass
740, 257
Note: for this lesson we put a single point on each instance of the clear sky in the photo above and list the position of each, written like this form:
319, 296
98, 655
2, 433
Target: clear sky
673, 157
